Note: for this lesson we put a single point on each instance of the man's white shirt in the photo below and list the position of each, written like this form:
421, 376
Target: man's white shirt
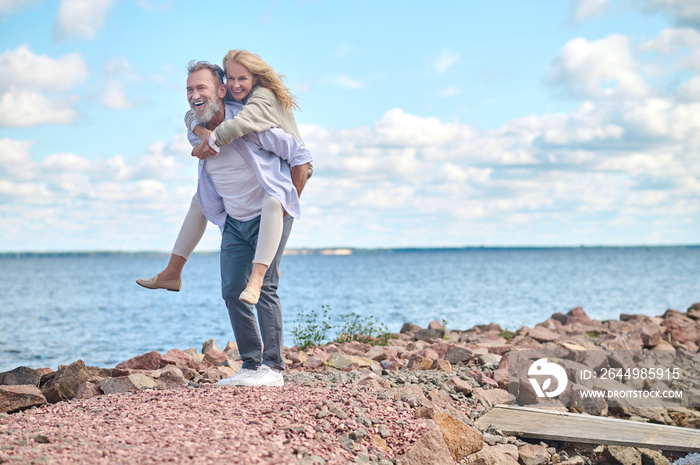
235, 181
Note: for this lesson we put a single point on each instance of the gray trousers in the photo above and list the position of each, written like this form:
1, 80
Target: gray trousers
238, 244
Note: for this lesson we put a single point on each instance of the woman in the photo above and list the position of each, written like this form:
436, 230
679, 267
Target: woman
267, 103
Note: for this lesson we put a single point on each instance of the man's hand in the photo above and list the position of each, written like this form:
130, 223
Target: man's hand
299, 176
203, 150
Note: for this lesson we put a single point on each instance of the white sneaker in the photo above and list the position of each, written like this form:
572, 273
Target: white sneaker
264, 376
235, 379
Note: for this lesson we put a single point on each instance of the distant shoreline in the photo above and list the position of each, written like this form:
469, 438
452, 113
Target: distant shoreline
345, 250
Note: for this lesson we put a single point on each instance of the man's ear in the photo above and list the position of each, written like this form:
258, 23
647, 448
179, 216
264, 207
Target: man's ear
222, 91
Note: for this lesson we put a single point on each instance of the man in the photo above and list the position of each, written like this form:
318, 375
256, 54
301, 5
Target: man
230, 193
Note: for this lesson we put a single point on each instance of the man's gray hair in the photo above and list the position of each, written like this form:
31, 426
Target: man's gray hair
216, 71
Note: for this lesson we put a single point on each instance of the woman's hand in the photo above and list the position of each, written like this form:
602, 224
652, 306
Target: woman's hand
201, 150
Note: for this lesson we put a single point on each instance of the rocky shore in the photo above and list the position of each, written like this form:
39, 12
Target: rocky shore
414, 400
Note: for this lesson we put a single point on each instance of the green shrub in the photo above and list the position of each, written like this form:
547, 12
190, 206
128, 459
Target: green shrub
360, 329
309, 331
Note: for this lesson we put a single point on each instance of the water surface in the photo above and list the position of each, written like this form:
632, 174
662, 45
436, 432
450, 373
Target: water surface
57, 309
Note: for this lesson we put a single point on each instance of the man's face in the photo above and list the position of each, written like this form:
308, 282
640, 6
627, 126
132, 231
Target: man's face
203, 95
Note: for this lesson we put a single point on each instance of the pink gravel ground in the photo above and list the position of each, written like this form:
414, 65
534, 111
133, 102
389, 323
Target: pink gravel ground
205, 425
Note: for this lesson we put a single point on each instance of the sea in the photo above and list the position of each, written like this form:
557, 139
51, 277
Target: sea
58, 308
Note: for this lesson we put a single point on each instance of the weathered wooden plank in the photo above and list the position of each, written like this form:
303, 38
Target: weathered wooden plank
589, 429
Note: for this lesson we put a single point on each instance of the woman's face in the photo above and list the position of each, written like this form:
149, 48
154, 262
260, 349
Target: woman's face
239, 80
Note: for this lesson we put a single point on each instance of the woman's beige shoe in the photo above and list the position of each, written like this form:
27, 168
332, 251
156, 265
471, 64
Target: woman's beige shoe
249, 296
153, 283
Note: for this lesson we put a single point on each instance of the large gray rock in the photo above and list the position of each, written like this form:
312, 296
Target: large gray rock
133, 382
63, 384
428, 333
20, 397
534, 455
19, 376
209, 345
409, 328
172, 377
458, 354
624, 455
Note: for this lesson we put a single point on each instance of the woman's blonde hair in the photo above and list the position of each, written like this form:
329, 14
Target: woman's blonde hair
264, 75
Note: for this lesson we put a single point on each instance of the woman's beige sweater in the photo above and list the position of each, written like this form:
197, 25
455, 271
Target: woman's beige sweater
261, 111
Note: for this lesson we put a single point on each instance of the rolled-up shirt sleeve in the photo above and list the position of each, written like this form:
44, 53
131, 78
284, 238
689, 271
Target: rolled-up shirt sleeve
284, 145
194, 140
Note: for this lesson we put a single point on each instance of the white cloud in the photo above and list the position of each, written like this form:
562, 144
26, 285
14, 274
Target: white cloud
407, 177
581, 135
684, 12
671, 40
114, 96
457, 174
68, 182
83, 18
638, 163
601, 68
118, 66
13, 6
664, 119
549, 169
115, 202
26, 108
444, 61
29, 83
401, 129
385, 196
690, 90
15, 158
21, 68
587, 9
681, 45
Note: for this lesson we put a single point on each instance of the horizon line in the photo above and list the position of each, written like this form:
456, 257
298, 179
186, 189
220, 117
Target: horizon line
328, 250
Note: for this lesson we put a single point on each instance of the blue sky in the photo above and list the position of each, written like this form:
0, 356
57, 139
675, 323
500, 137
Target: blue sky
458, 123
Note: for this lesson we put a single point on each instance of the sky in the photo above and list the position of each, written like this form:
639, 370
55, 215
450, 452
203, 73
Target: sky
459, 123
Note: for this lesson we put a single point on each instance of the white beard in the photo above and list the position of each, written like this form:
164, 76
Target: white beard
211, 106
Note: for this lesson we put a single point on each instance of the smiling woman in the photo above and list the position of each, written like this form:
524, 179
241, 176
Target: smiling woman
239, 80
